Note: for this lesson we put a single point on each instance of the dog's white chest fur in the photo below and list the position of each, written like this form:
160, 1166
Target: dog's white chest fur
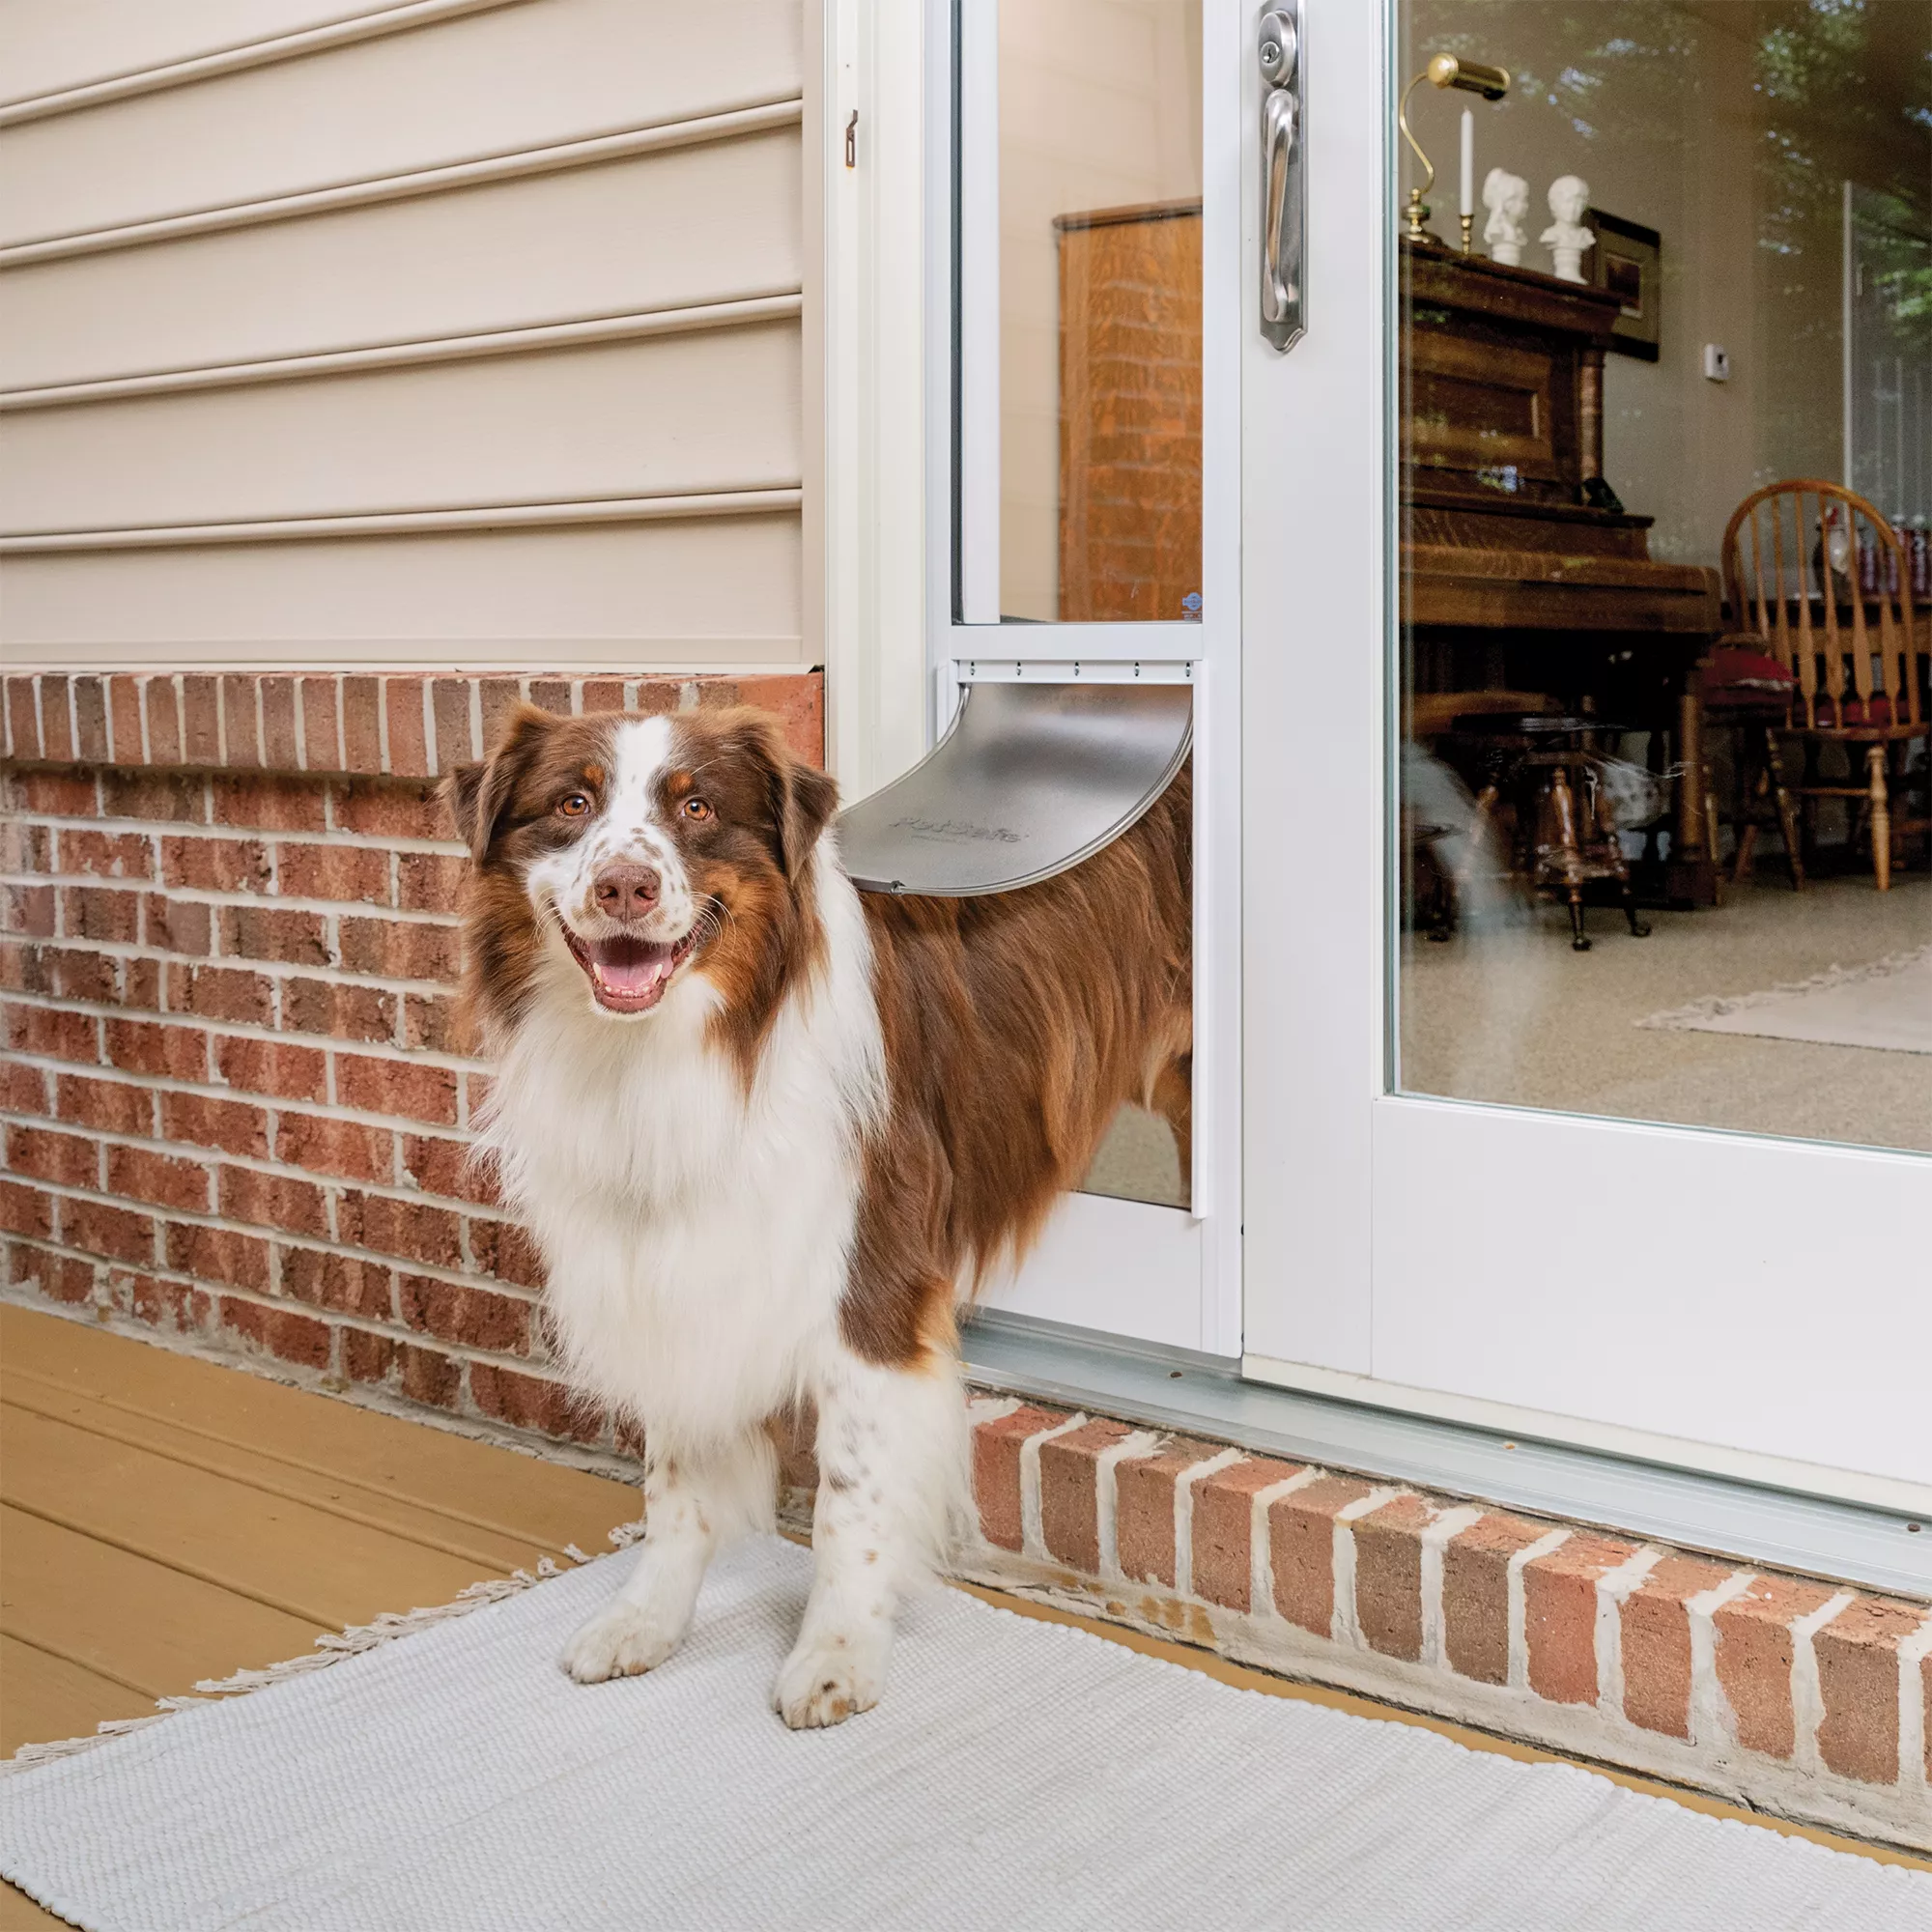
697, 1238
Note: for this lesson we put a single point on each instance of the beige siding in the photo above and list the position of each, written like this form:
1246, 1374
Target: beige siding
533, 309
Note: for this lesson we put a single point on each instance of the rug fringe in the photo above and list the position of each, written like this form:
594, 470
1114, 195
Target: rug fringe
330, 1647
1716, 1005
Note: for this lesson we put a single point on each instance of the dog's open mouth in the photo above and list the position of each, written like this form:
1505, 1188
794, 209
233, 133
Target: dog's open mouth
628, 975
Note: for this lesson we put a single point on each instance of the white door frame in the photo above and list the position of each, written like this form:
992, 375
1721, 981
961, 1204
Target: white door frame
1443, 1257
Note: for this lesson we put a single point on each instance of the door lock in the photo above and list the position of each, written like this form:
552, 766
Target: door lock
1284, 203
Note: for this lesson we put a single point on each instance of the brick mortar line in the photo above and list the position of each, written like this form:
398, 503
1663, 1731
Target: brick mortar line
195, 1217
213, 895
387, 1190
335, 837
283, 1304
226, 1029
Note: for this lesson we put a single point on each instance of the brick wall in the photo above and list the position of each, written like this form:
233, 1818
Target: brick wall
235, 1094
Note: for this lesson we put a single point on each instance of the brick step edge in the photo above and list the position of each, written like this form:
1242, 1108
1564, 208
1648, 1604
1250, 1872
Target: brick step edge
405, 725
1774, 1692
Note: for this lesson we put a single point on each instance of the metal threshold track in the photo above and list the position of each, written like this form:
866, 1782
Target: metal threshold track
1847, 1542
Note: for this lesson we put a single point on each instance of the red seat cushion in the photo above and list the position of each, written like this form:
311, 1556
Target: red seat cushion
1738, 677
1857, 712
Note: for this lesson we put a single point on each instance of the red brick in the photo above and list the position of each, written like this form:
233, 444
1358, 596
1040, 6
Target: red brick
52, 1034
798, 702
1559, 1615
1654, 1627
79, 972
141, 984
431, 1378
1069, 1502
401, 949
238, 717
218, 1254
105, 855
53, 794
23, 1089
362, 1013
390, 808
283, 1332
343, 1284
367, 1358
363, 724
1755, 1657
67, 1160
552, 693
162, 1180
603, 694
110, 1106
164, 729
274, 933
117, 1232
274, 1201
25, 1210
101, 913
530, 1402
90, 714
180, 926
418, 1091
59, 1278
322, 751
23, 969
996, 1471
409, 752
27, 847
201, 720
281, 749
56, 718
434, 1023
28, 909
167, 1304
216, 865
222, 993
344, 1148
472, 1317
23, 721
1222, 1558
270, 802
146, 1046
503, 1249
234, 1126
410, 1229
1388, 1575
501, 697
159, 796
430, 881
451, 702
357, 874
1301, 1550
1859, 1681
1144, 1507
440, 1166
273, 1067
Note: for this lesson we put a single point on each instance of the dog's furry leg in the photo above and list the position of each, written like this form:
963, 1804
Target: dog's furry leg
891, 1504
694, 1500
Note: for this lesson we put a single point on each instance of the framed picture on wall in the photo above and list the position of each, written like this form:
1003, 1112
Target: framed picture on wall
1626, 261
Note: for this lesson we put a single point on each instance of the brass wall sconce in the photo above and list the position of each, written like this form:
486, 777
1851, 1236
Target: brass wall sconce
1444, 70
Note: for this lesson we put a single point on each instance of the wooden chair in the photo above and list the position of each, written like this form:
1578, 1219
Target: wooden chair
1818, 581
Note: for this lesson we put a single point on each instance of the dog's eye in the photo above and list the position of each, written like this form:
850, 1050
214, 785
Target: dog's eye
573, 805
697, 808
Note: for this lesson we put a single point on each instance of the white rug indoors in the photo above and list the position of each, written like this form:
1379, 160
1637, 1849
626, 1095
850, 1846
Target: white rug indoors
1887, 1004
1019, 1774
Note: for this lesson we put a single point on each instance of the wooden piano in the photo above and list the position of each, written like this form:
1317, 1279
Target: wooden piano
1520, 571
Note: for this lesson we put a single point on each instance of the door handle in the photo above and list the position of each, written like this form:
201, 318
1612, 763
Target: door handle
1284, 203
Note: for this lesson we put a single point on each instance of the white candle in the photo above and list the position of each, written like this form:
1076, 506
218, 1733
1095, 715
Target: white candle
1469, 205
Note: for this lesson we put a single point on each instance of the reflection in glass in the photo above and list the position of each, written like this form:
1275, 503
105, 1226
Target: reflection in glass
1667, 582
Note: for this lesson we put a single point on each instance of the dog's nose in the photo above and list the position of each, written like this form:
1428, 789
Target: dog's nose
626, 892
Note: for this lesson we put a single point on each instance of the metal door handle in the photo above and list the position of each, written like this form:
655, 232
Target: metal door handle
1284, 186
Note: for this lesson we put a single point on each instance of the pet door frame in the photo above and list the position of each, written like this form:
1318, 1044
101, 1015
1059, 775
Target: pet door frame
1130, 1270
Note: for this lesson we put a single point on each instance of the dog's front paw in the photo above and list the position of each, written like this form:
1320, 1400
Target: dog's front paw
623, 1640
828, 1679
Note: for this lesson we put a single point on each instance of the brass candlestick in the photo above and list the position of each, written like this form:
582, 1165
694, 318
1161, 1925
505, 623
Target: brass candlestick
1444, 70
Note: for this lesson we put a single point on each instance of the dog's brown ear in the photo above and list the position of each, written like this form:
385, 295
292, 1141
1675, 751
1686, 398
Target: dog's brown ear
800, 797
478, 795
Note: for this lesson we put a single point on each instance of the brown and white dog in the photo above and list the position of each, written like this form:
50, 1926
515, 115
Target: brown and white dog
766, 1131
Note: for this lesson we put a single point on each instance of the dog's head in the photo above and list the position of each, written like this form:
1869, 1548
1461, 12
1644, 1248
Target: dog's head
626, 854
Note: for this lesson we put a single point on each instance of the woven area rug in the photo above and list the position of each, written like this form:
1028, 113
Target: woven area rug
1886, 1004
1018, 1775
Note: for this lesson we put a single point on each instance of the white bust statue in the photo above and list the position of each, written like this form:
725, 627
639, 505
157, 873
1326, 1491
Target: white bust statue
1507, 198
1566, 237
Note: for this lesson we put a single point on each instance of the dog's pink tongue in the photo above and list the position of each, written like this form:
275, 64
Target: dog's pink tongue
630, 967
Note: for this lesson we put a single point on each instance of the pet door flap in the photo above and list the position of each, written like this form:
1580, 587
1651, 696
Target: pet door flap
1031, 779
